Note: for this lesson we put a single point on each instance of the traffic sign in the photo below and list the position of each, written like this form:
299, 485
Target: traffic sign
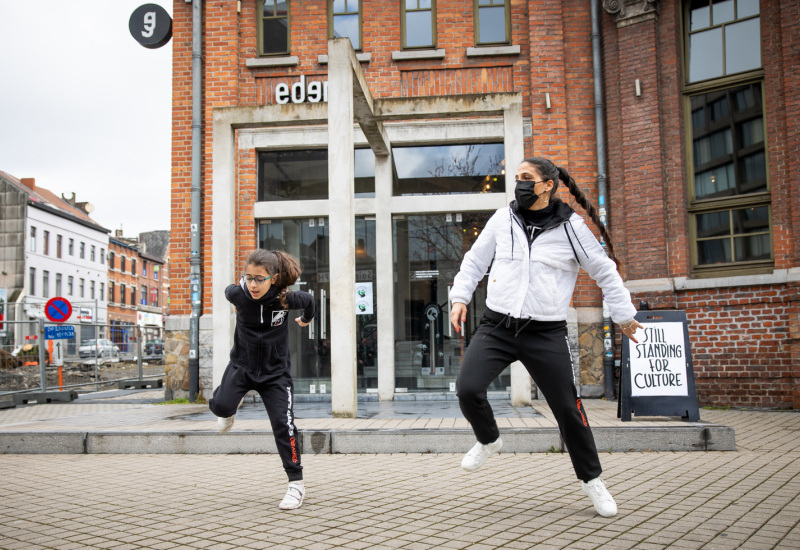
57, 354
60, 332
58, 309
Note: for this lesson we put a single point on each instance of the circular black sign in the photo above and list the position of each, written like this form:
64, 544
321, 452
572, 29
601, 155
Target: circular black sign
151, 26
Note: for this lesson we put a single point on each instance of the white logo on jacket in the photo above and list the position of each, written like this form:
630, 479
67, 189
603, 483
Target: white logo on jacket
278, 317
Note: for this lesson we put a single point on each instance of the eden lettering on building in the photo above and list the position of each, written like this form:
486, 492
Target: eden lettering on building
315, 92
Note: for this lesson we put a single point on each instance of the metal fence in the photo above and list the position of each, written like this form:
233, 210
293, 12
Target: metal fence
37, 355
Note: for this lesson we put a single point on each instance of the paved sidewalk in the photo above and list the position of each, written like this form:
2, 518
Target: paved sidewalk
748, 498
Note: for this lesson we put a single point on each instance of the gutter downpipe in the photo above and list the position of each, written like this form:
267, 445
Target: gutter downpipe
194, 262
602, 189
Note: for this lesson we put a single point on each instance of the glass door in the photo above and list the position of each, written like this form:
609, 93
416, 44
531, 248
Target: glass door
428, 250
307, 240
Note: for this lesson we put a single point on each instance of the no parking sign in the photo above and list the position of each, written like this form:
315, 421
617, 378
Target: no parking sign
58, 309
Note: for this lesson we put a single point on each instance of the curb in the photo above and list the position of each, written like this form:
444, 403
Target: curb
691, 437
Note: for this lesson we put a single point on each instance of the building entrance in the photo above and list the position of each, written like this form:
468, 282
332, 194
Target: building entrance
310, 348
429, 249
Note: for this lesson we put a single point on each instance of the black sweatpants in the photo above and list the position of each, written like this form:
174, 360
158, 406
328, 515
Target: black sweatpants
543, 347
277, 393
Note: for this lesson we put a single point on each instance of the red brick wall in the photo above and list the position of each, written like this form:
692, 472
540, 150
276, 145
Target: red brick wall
744, 339
647, 157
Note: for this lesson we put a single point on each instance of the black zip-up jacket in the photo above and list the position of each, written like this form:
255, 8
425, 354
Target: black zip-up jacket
261, 338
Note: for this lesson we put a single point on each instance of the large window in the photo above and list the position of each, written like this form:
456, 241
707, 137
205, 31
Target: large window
449, 169
729, 200
345, 20
122, 294
724, 38
32, 242
273, 28
418, 22
303, 175
59, 240
45, 284
111, 291
46, 243
492, 22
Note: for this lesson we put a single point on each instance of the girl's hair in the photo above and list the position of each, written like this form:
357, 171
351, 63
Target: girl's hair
284, 269
549, 171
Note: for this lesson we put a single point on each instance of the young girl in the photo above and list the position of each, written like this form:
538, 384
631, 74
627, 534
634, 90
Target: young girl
260, 355
535, 247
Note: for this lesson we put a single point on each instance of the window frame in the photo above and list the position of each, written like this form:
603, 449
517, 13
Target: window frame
360, 12
260, 29
729, 203
46, 242
434, 30
476, 23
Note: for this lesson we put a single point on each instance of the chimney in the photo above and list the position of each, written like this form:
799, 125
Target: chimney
29, 183
118, 233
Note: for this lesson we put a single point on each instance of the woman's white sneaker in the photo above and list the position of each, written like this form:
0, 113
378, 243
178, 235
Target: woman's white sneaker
294, 496
224, 424
601, 498
476, 456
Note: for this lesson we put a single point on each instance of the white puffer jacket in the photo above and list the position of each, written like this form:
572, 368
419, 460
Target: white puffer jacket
537, 282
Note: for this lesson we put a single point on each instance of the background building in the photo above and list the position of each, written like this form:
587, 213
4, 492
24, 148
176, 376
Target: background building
52, 248
697, 105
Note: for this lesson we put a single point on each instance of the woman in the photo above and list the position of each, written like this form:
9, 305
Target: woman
536, 246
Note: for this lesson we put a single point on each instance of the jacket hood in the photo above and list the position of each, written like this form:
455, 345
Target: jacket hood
563, 211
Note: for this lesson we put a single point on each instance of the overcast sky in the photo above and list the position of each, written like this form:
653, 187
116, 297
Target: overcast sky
85, 109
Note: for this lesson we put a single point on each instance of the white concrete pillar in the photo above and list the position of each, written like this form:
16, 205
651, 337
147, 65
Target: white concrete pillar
384, 267
341, 173
515, 152
223, 245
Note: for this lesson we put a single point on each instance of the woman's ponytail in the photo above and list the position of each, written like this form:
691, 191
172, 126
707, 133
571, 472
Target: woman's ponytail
581, 199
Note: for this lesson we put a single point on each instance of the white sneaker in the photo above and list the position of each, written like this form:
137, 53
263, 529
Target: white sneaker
476, 456
294, 496
601, 498
225, 424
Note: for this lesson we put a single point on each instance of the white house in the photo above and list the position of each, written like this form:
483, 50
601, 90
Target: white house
64, 255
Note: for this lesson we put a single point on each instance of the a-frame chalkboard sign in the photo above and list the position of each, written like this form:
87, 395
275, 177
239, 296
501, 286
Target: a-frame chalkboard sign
657, 374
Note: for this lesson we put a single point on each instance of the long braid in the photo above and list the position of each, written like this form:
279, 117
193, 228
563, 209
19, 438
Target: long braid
581, 199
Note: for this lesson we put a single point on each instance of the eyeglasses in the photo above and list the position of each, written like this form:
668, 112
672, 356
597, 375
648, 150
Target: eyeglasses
257, 280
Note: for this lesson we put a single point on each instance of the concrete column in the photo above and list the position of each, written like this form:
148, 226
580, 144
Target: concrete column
384, 276
515, 152
223, 245
341, 172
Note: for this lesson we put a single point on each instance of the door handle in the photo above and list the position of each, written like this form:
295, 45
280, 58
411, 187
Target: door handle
311, 325
323, 318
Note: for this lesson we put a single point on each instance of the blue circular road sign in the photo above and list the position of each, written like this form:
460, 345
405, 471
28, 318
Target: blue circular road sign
58, 309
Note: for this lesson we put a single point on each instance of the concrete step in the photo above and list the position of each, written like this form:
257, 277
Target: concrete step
700, 436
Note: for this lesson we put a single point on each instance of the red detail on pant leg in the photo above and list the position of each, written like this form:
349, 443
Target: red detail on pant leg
582, 415
294, 450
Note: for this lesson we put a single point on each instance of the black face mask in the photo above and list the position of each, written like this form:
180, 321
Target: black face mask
525, 194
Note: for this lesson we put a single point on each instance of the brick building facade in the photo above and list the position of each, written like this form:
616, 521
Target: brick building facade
739, 288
